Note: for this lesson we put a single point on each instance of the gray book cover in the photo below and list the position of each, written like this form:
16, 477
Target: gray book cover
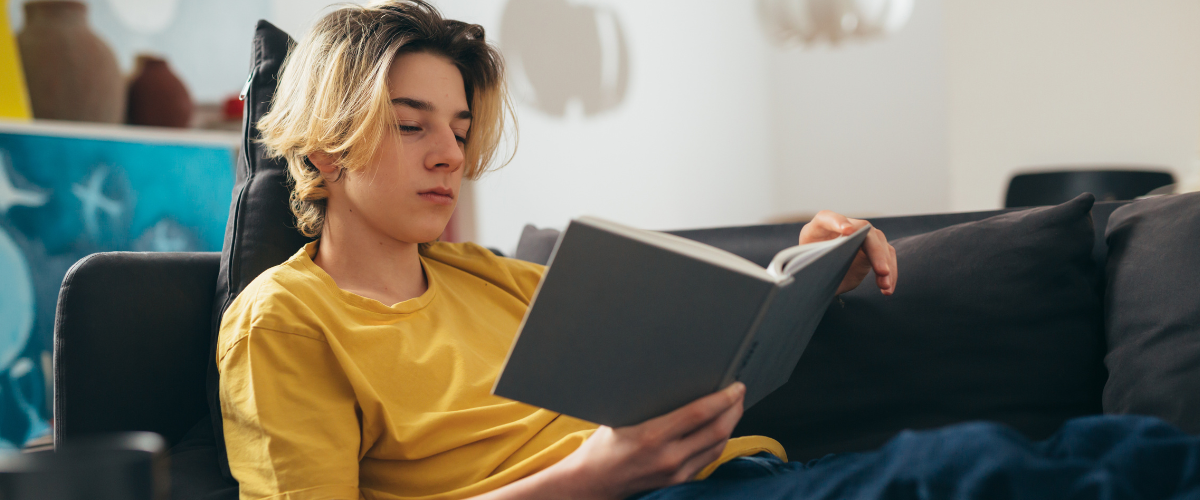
622, 329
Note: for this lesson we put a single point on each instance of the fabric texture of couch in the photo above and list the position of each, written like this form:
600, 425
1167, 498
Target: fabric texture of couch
1152, 310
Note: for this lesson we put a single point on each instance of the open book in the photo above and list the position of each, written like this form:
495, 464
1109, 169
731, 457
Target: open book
629, 324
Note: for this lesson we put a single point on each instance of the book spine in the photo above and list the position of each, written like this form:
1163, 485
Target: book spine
734, 371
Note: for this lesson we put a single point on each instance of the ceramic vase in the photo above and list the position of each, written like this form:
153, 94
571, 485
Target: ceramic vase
70, 72
157, 97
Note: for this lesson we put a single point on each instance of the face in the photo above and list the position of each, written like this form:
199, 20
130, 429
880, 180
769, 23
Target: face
409, 189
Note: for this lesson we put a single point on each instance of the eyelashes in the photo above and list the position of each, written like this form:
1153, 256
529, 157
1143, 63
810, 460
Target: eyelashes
409, 129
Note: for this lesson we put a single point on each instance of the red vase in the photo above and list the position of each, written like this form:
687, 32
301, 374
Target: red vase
71, 73
157, 97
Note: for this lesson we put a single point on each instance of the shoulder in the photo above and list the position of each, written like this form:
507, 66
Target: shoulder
519, 277
286, 298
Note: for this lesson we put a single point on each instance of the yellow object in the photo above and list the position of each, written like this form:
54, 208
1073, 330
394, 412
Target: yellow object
14, 97
328, 394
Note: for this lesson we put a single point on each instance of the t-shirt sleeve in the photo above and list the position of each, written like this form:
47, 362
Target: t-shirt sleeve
290, 418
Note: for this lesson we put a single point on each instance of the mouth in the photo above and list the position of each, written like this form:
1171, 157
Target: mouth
439, 195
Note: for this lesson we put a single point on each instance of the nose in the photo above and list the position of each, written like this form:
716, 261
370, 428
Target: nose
445, 153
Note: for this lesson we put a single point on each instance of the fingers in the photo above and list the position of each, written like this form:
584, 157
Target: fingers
706, 443
697, 414
882, 259
887, 284
828, 225
699, 461
716, 431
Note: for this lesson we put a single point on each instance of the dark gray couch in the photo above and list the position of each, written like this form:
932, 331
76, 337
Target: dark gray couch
133, 332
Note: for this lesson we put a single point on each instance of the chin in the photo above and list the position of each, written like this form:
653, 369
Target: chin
421, 229
426, 234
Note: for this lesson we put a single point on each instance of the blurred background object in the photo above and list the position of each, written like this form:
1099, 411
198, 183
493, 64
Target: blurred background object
70, 72
795, 22
68, 190
1054, 187
157, 97
14, 98
562, 53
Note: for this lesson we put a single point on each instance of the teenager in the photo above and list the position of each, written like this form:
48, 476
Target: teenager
362, 367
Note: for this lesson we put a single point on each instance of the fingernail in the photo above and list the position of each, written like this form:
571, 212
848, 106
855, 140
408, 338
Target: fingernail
738, 388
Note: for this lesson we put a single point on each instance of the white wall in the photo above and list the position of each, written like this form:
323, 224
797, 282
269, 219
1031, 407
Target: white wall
861, 127
1081, 82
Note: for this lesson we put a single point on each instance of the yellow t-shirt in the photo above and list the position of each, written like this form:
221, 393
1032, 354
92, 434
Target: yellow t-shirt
327, 394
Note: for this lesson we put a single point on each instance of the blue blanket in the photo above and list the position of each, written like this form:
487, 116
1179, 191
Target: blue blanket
1101, 457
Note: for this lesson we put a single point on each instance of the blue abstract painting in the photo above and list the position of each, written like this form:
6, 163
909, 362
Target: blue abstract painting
66, 192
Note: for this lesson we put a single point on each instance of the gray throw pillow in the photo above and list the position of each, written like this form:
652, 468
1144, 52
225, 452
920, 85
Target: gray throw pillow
1152, 310
536, 245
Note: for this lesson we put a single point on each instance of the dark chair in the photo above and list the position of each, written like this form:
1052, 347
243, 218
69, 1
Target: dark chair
1052, 188
117, 466
131, 343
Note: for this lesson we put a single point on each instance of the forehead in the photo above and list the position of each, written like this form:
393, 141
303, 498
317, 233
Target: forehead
427, 77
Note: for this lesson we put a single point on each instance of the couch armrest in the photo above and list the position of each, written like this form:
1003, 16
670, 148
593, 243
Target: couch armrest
131, 341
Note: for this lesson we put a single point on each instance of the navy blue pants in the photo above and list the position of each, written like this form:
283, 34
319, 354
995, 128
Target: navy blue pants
1103, 457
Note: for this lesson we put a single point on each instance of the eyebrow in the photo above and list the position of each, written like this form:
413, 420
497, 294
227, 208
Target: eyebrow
420, 105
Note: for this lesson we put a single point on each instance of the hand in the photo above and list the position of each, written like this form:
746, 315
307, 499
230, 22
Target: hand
668, 450
876, 254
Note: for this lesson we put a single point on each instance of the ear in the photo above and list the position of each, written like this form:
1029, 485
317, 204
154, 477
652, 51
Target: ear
324, 162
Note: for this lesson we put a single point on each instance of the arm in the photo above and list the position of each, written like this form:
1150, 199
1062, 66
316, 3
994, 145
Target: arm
289, 416
617, 463
876, 253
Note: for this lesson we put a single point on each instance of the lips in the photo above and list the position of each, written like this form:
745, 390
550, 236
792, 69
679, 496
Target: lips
440, 195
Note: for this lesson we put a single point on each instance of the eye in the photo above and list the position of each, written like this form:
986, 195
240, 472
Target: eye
461, 139
409, 129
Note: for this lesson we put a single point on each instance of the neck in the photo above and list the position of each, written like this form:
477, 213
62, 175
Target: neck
366, 262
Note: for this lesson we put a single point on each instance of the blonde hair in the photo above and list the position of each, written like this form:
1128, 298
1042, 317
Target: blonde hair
333, 93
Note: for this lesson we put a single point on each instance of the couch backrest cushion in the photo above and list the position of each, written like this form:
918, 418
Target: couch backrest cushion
261, 231
998, 319
1152, 310
759, 243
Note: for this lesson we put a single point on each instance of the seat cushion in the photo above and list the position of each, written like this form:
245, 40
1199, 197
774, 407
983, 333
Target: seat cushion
261, 231
1152, 310
998, 319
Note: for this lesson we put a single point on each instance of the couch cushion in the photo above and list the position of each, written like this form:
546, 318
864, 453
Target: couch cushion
998, 319
536, 245
261, 231
1152, 310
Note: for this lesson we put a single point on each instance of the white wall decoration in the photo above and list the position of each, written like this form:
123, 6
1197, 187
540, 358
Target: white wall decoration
563, 56
793, 22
